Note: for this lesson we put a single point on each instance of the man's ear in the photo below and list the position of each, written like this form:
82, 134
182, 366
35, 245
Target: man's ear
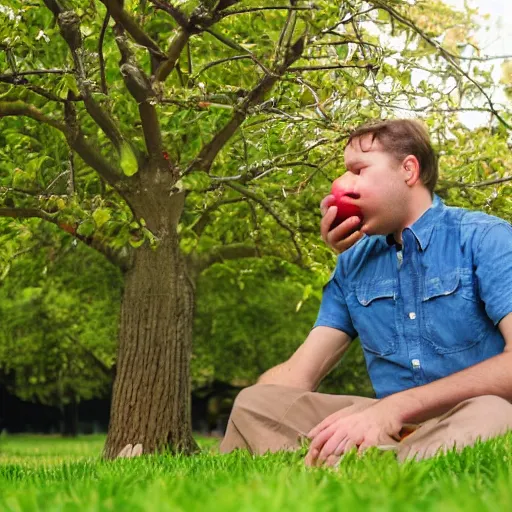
411, 168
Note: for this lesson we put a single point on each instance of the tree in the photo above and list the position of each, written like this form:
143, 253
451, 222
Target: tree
59, 311
171, 136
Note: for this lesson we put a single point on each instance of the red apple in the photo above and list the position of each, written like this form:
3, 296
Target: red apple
343, 192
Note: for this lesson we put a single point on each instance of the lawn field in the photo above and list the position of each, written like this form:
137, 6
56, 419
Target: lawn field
51, 473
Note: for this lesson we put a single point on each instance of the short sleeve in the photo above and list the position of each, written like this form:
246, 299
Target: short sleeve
333, 309
493, 261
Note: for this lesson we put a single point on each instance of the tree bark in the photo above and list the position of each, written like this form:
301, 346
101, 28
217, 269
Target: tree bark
151, 395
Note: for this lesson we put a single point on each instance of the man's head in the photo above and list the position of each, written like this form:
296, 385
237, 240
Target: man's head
396, 173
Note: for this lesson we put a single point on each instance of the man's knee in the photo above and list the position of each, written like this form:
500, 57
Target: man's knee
489, 404
258, 395
481, 417
489, 410
265, 400
249, 395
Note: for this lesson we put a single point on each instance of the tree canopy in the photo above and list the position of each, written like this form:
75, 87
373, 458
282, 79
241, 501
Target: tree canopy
267, 159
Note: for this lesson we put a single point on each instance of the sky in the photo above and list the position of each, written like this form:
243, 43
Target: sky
496, 41
500, 11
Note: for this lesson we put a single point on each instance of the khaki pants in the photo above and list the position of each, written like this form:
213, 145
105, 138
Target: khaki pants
268, 417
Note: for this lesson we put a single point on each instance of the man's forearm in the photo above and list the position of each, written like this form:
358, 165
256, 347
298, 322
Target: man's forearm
490, 377
271, 375
284, 376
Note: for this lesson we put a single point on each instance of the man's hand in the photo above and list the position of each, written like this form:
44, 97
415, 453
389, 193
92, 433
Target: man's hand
337, 238
376, 425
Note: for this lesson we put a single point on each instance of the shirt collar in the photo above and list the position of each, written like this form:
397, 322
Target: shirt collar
423, 227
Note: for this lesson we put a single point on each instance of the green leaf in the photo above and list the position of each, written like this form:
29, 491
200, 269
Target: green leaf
136, 242
5, 271
71, 84
100, 216
86, 228
342, 51
199, 180
22, 180
35, 164
128, 160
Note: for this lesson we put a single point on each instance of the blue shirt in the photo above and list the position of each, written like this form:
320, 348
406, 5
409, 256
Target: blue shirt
431, 309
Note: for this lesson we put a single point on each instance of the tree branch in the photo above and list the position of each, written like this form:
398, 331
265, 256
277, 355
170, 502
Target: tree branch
109, 372
342, 42
20, 108
219, 254
345, 21
11, 77
369, 67
71, 188
39, 90
208, 153
115, 257
35, 194
204, 220
354, 16
225, 4
178, 42
138, 34
231, 44
200, 21
490, 182
101, 58
276, 8
285, 37
448, 57
27, 213
139, 86
220, 61
49, 95
69, 24
485, 58
268, 207
428, 109
178, 16
456, 184
89, 154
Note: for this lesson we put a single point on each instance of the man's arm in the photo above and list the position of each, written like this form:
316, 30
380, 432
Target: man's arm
490, 377
381, 423
311, 362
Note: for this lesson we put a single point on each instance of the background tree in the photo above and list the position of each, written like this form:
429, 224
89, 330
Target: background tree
59, 311
200, 132
249, 319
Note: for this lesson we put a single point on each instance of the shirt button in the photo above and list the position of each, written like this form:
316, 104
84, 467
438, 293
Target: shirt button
412, 316
415, 363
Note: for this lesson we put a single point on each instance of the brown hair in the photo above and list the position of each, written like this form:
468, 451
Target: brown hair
403, 137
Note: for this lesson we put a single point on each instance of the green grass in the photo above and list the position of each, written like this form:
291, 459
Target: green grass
50, 473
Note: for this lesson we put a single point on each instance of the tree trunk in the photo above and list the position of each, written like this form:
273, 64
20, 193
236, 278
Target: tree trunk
151, 395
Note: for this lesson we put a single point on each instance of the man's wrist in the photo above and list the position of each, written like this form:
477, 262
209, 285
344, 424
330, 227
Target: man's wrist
403, 406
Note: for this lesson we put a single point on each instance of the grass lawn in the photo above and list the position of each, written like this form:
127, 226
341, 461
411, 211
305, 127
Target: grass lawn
50, 473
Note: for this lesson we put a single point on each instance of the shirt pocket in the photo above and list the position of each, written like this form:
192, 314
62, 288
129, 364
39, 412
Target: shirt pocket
375, 316
454, 318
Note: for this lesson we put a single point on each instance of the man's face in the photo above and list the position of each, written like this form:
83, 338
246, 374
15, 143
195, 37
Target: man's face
380, 182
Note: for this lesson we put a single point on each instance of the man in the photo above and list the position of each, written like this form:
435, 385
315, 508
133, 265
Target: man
428, 290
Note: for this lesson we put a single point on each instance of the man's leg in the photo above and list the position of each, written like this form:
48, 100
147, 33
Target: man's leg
481, 418
268, 417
